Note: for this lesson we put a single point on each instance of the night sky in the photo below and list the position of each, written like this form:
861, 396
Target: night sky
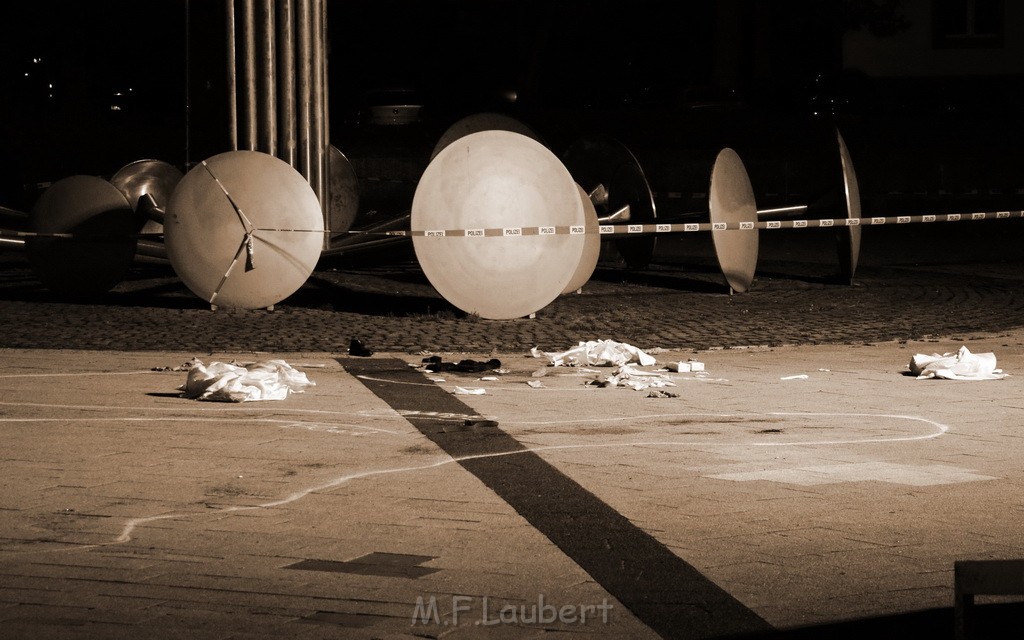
120, 90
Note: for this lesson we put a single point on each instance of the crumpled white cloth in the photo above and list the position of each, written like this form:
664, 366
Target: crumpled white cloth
962, 365
223, 382
597, 353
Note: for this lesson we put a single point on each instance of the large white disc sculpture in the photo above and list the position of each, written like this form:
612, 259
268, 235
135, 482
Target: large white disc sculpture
491, 222
243, 230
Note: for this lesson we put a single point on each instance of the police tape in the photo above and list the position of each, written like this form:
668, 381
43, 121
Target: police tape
690, 227
604, 229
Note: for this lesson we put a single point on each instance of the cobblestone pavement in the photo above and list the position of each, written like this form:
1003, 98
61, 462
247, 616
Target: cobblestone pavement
909, 286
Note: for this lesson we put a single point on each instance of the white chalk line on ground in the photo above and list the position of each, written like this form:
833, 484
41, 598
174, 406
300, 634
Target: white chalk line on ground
284, 423
938, 430
262, 406
77, 374
130, 525
401, 382
216, 408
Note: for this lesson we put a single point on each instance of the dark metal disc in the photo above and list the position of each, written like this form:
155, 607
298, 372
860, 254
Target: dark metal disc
497, 180
482, 122
732, 202
103, 248
155, 178
222, 200
604, 161
628, 186
849, 238
591, 245
343, 203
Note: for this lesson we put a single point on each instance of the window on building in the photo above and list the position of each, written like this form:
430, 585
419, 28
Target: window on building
967, 24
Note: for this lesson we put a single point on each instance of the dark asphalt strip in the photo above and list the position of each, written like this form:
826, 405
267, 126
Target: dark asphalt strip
659, 588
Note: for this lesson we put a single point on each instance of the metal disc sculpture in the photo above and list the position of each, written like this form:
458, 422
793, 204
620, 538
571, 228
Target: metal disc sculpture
343, 199
243, 230
611, 174
489, 121
849, 239
82, 238
591, 245
477, 122
492, 221
148, 185
731, 201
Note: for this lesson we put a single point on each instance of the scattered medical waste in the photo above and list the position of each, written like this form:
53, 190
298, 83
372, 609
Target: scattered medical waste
629, 366
627, 361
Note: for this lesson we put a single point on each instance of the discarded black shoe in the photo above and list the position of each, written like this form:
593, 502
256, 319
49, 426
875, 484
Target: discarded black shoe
356, 348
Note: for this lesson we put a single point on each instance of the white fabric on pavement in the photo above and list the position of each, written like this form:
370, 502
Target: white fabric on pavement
223, 382
596, 353
962, 365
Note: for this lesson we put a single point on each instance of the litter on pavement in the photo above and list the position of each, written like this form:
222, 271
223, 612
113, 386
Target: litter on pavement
597, 353
962, 365
436, 364
685, 367
357, 348
626, 358
628, 375
223, 382
183, 367
660, 393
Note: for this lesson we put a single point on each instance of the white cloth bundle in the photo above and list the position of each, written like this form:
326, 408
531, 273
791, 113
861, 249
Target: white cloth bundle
223, 382
597, 353
962, 365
